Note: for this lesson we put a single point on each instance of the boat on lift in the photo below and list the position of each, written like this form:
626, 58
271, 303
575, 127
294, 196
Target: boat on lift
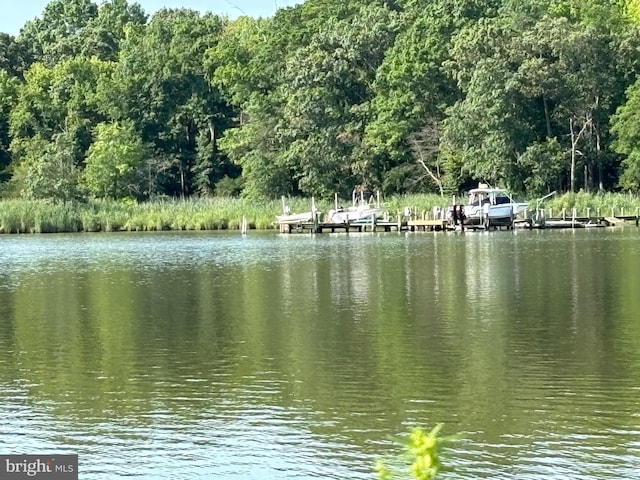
362, 210
491, 207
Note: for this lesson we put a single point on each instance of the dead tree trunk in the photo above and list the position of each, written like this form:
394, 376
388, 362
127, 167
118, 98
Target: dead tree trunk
575, 138
424, 145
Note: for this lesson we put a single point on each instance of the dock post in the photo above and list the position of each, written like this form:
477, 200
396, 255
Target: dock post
316, 227
573, 217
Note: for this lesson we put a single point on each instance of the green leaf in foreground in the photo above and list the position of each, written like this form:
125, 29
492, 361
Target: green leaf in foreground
421, 459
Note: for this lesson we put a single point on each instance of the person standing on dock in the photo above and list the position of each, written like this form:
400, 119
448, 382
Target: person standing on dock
485, 213
453, 211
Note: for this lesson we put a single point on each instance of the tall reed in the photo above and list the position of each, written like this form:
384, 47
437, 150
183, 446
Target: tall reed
220, 213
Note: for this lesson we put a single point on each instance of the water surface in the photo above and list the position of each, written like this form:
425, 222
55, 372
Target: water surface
213, 355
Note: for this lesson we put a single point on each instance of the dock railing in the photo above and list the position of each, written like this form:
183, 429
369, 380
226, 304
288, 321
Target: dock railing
614, 216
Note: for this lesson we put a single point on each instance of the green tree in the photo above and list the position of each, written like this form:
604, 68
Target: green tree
48, 169
546, 165
246, 76
113, 161
625, 127
14, 59
61, 98
412, 89
327, 90
103, 33
54, 104
58, 33
535, 72
161, 85
8, 96
70, 28
311, 106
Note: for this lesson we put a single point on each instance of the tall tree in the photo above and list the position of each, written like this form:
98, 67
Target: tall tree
61, 98
48, 169
161, 85
14, 59
8, 97
68, 28
54, 101
316, 95
58, 34
246, 75
103, 34
531, 74
412, 89
625, 127
113, 161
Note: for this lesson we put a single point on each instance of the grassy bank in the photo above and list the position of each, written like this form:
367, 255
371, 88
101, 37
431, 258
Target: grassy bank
38, 216
41, 216
35, 216
602, 202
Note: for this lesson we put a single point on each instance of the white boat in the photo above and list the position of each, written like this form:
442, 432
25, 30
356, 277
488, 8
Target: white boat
360, 213
491, 207
288, 218
293, 218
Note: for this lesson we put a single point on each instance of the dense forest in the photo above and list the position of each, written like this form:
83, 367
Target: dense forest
401, 96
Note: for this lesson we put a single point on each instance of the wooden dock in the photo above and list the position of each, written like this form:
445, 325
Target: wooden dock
428, 225
541, 220
576, 220
359, 227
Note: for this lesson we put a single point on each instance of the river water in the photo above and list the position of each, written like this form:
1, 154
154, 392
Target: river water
213, 355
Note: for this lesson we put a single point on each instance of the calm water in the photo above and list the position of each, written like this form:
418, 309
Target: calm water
183, 355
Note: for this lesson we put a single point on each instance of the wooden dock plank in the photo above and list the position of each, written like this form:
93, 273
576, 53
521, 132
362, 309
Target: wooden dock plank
378, 226
428, 224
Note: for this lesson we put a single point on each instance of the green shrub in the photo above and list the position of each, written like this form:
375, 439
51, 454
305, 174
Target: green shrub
421, 460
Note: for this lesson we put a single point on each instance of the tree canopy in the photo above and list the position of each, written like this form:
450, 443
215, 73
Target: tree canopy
324, 97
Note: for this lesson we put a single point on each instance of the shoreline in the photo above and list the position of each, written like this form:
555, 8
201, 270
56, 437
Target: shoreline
226, 213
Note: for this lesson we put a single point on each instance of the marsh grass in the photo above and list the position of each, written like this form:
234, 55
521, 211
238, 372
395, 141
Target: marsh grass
419, 203
21, 216
225, 213
599, 202
41, 216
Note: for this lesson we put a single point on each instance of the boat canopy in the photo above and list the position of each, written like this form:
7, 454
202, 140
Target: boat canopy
488, 191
